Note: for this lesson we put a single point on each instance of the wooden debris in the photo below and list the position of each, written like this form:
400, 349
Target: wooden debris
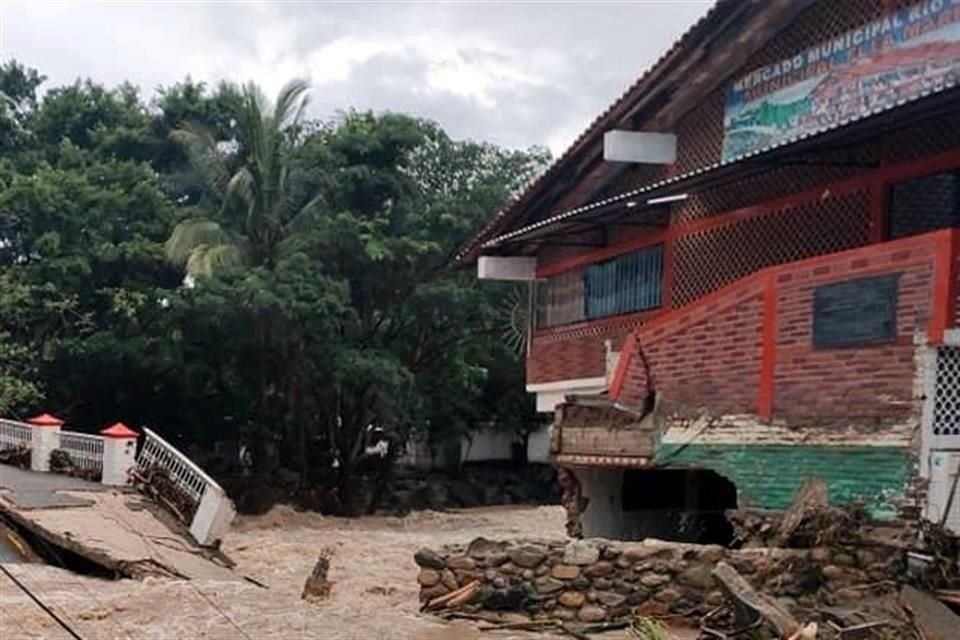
806, 632
748, 605
444, 600
256, 582
464, 597
811, 497
647, 628
859, 631
934, 620
317, 587
155, 481
572, 632
18, 456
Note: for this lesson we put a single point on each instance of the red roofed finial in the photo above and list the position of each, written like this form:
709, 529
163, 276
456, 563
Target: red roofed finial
119, 430
45, 420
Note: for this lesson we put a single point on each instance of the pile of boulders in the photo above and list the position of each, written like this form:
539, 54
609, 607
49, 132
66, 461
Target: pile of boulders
597, 580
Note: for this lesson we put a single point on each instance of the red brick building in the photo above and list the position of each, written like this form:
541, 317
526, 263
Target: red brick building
746, 269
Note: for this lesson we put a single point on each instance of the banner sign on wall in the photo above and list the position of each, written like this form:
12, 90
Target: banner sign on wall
893, 58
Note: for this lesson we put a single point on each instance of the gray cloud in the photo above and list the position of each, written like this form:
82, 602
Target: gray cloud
516, 74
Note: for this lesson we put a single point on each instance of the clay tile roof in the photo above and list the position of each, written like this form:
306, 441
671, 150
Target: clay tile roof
596, 128
46, 420
119, 430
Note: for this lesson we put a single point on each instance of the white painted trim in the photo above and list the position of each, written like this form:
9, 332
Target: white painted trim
747, 431
645, 147
572, 384
928, 373
522, 268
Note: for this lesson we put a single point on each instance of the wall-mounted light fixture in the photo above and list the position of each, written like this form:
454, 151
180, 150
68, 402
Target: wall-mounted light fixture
666, 199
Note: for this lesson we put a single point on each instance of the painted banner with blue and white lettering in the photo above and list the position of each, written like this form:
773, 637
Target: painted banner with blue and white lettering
866, 69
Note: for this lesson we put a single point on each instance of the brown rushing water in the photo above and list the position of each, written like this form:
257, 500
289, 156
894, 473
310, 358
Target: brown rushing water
374, 594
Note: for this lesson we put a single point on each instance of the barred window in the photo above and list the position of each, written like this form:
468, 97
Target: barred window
560, 299
924, 204
625, 284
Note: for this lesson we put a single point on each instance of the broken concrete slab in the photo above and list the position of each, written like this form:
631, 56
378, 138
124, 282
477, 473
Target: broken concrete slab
117, 529
35, 490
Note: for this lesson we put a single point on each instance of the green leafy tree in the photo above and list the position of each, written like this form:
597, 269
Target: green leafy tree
18, 100
323, 302
254, 215
397, 196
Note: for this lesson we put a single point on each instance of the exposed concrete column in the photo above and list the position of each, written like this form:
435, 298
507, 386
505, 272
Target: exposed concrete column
45, 435
602, 514
119, 454
213, 516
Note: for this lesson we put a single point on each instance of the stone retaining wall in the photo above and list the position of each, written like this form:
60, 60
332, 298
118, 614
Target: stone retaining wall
595, 580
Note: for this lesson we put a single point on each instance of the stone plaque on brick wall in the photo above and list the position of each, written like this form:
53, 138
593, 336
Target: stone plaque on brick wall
856, 312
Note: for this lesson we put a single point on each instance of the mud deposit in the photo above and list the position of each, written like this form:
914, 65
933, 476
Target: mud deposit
374, 583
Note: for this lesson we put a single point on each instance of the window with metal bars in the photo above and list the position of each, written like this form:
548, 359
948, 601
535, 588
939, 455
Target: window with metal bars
924, 204
560, 299
626, 284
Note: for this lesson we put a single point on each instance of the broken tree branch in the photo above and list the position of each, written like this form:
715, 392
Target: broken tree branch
444, 600
749, 605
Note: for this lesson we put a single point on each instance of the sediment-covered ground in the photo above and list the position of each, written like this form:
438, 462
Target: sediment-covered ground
374, 593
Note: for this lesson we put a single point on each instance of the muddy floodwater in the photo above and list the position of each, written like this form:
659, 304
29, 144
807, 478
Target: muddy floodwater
374, 593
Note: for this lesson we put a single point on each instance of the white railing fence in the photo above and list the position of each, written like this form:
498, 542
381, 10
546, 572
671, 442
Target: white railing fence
214, 511
112, 458
14, 434
85, 450
186, 475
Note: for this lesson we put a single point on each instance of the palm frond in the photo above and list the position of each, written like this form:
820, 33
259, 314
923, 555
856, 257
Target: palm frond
250, 121
208, 258
302, 215
244, 186
291, 101
205, 158
190, 234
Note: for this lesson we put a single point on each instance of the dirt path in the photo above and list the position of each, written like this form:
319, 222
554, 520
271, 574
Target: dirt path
374, 594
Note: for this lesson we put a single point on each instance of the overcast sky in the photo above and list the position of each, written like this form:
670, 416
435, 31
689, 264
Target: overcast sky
517, 74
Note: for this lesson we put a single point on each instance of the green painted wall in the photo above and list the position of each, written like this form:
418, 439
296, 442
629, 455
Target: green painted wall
767, 476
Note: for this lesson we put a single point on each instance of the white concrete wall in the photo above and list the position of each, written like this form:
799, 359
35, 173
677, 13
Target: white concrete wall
487, 445
944, 466
550, 394
538, 445
604, 516
419, 455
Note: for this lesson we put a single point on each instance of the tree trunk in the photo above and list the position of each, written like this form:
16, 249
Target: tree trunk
301, 420
384, 478
346, 487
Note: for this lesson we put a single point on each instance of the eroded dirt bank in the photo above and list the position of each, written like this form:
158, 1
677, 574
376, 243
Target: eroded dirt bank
374, 594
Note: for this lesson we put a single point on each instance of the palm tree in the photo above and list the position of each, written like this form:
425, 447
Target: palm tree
253, 196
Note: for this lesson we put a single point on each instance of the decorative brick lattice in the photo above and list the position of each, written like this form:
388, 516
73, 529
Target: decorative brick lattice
771, 184
924, 204
946, 399
633, 178
927, 138
700, 131
700, 134
707, 260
